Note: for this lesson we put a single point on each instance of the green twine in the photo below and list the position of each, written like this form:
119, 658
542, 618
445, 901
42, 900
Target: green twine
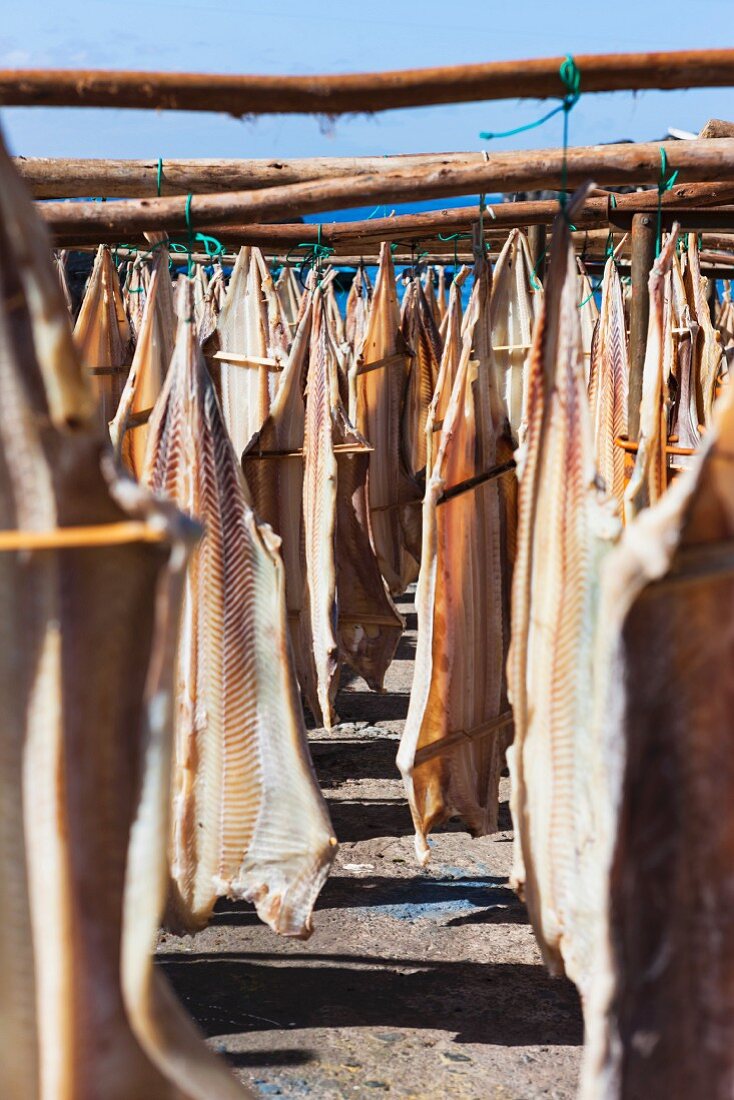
664, 184
159, 177
571, 80
455, 237
190, 228
588, 297
315, 253
570, 75
534, 280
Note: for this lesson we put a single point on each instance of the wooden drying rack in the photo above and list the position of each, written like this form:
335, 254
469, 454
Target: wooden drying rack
250, 194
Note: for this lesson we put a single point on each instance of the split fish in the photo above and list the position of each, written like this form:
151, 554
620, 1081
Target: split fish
660, 1016
514, 308
247, 384
85, 667
153, 350
60, 260
249, 821
608, 384
452, 750
710, 359
102, 335
394, 494
565, 527
422, 339
450, 359
588, 314
649, 475
681, 340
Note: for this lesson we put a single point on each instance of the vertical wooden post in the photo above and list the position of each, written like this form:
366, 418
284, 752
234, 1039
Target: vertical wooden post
537, 242
643, 257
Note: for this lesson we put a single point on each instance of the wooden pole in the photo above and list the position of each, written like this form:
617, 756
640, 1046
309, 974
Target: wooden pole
696, 160
334, 95
537, 242
62, 177
643, 257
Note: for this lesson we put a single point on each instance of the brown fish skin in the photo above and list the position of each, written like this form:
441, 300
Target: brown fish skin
395, 496
81, 629
709, 361
451, 753
564, 528
682, 336
649, 475
660, 1019
514, 310
450, 359
249, 820
153, 350
276, 485
421, 335
608, 384
102, 335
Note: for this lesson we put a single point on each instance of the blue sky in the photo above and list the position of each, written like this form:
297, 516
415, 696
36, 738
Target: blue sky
297, 36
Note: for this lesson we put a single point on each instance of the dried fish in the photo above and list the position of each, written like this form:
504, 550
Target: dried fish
248, 818
289, 294
451, 753
102, 334
565, 527
681, 339
608, 384
60, 261
421, 337
85, 673
394, 495
514, 308
588, 314
247, 382
450, 359
710, 361
659, 1017
649, 476
153, 350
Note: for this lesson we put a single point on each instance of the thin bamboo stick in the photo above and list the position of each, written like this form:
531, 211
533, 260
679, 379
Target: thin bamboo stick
333, 95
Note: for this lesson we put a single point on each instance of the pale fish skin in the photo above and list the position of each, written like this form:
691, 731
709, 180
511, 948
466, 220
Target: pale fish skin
86, 672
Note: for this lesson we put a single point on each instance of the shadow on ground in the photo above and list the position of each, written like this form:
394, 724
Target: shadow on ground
500, 1004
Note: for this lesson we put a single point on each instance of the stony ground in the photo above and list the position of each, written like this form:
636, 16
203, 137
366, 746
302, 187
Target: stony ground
415, 983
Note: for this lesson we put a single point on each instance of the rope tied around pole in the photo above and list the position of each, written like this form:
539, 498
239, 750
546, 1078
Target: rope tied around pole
159, 177
316, 253
665, 183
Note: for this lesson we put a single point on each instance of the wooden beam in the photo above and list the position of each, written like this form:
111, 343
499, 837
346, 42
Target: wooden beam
333, 95
643, 257
612, 164
62, 177
65, 177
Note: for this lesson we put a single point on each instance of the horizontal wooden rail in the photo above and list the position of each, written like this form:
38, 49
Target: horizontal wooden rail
696, 161
336, 94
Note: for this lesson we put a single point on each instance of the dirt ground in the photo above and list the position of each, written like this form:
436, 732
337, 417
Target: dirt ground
415, 983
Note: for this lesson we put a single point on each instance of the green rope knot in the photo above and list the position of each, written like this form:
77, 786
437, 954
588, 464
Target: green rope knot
570, 75
665, 183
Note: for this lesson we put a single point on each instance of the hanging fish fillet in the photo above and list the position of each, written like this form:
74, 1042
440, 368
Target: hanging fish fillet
441, 295
451, 752
725, 322
394, 495
710, 361
680, 348
421, 337
514, 308
588, 314
289, 295
565, 526
248, 818
429, 289
359, 303
85, 670
608, 384
660, 1021
102, 335
247, 385
60, 261
153, 350
273, 469
134, 292
649, 476
450, 359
